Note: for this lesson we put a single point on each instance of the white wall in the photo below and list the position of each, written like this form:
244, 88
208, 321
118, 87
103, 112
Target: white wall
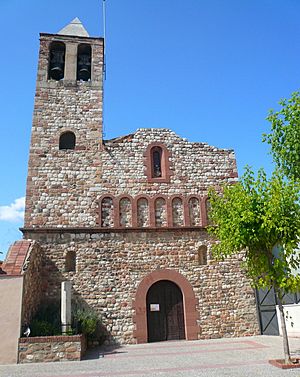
11, 288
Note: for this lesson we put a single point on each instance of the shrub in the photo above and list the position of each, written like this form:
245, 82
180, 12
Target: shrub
46, 321
86, 321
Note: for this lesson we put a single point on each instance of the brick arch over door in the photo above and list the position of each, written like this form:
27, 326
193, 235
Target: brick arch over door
189, 303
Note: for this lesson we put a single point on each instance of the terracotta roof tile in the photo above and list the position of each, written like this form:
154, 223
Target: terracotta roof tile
16, 257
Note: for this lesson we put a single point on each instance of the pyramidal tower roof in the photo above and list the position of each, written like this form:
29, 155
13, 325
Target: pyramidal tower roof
74, 28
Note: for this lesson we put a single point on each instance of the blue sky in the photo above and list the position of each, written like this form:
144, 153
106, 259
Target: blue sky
208, 69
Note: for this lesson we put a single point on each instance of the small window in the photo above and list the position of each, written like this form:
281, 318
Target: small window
70, 261
67, 140
84, 58
57, 61
157, 163
202, 255
156, 154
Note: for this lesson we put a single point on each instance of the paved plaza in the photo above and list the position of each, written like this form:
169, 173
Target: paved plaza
220, 357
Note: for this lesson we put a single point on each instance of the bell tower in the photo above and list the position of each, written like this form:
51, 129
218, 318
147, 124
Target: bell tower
66, 138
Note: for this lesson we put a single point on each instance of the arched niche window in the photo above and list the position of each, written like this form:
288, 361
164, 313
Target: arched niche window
143, 213
157, 163
125, 212
107, 212
70, 264
57, 61
160, 212
194, 211
177, 212
202, 255
84, 60
67, 140
207, 211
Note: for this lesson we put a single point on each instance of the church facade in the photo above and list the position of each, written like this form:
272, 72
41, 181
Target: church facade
125, 219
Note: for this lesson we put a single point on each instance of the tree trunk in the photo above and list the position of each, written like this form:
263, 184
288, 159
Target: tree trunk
286, 347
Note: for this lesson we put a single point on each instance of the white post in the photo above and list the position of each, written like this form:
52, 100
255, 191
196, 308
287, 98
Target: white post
66, 296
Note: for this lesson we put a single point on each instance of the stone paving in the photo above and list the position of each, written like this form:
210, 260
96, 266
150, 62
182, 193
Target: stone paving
221, 357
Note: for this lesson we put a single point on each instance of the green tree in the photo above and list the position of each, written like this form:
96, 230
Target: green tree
284, 137
255, 216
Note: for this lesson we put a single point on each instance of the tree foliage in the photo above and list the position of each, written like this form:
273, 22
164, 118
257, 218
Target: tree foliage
255, 215
284, 137
261, 217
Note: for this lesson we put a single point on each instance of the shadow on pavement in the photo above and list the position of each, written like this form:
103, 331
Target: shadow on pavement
102, 351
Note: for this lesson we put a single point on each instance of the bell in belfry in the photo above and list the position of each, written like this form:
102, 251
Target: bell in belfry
84, 59
57, 61
84, 67
57, 64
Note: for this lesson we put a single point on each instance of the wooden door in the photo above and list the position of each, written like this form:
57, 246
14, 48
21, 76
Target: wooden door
165, 315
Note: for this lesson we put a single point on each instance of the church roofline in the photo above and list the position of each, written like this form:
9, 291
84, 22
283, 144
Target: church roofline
70, 36
129, 137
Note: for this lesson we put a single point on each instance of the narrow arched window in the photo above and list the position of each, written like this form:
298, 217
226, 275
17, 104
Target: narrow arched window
156, 154
70, 261
202, 255
157, 163
84, 59
67, 140
57, 61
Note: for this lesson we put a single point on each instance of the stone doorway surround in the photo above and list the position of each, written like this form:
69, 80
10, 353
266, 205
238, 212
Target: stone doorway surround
189, 304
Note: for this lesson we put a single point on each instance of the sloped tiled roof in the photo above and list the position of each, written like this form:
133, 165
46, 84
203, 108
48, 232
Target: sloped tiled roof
16, 257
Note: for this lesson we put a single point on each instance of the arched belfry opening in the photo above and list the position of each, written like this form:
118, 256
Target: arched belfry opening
84, 62
165, 312
57, 61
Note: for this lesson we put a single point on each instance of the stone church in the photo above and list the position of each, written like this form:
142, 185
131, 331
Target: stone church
124, 220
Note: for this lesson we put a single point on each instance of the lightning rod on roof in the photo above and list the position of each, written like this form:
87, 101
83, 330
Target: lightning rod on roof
104, 36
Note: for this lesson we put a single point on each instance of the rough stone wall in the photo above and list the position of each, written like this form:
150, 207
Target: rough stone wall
64, 185
32, 284
58, 180
92, 200
110, 267
51, 348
